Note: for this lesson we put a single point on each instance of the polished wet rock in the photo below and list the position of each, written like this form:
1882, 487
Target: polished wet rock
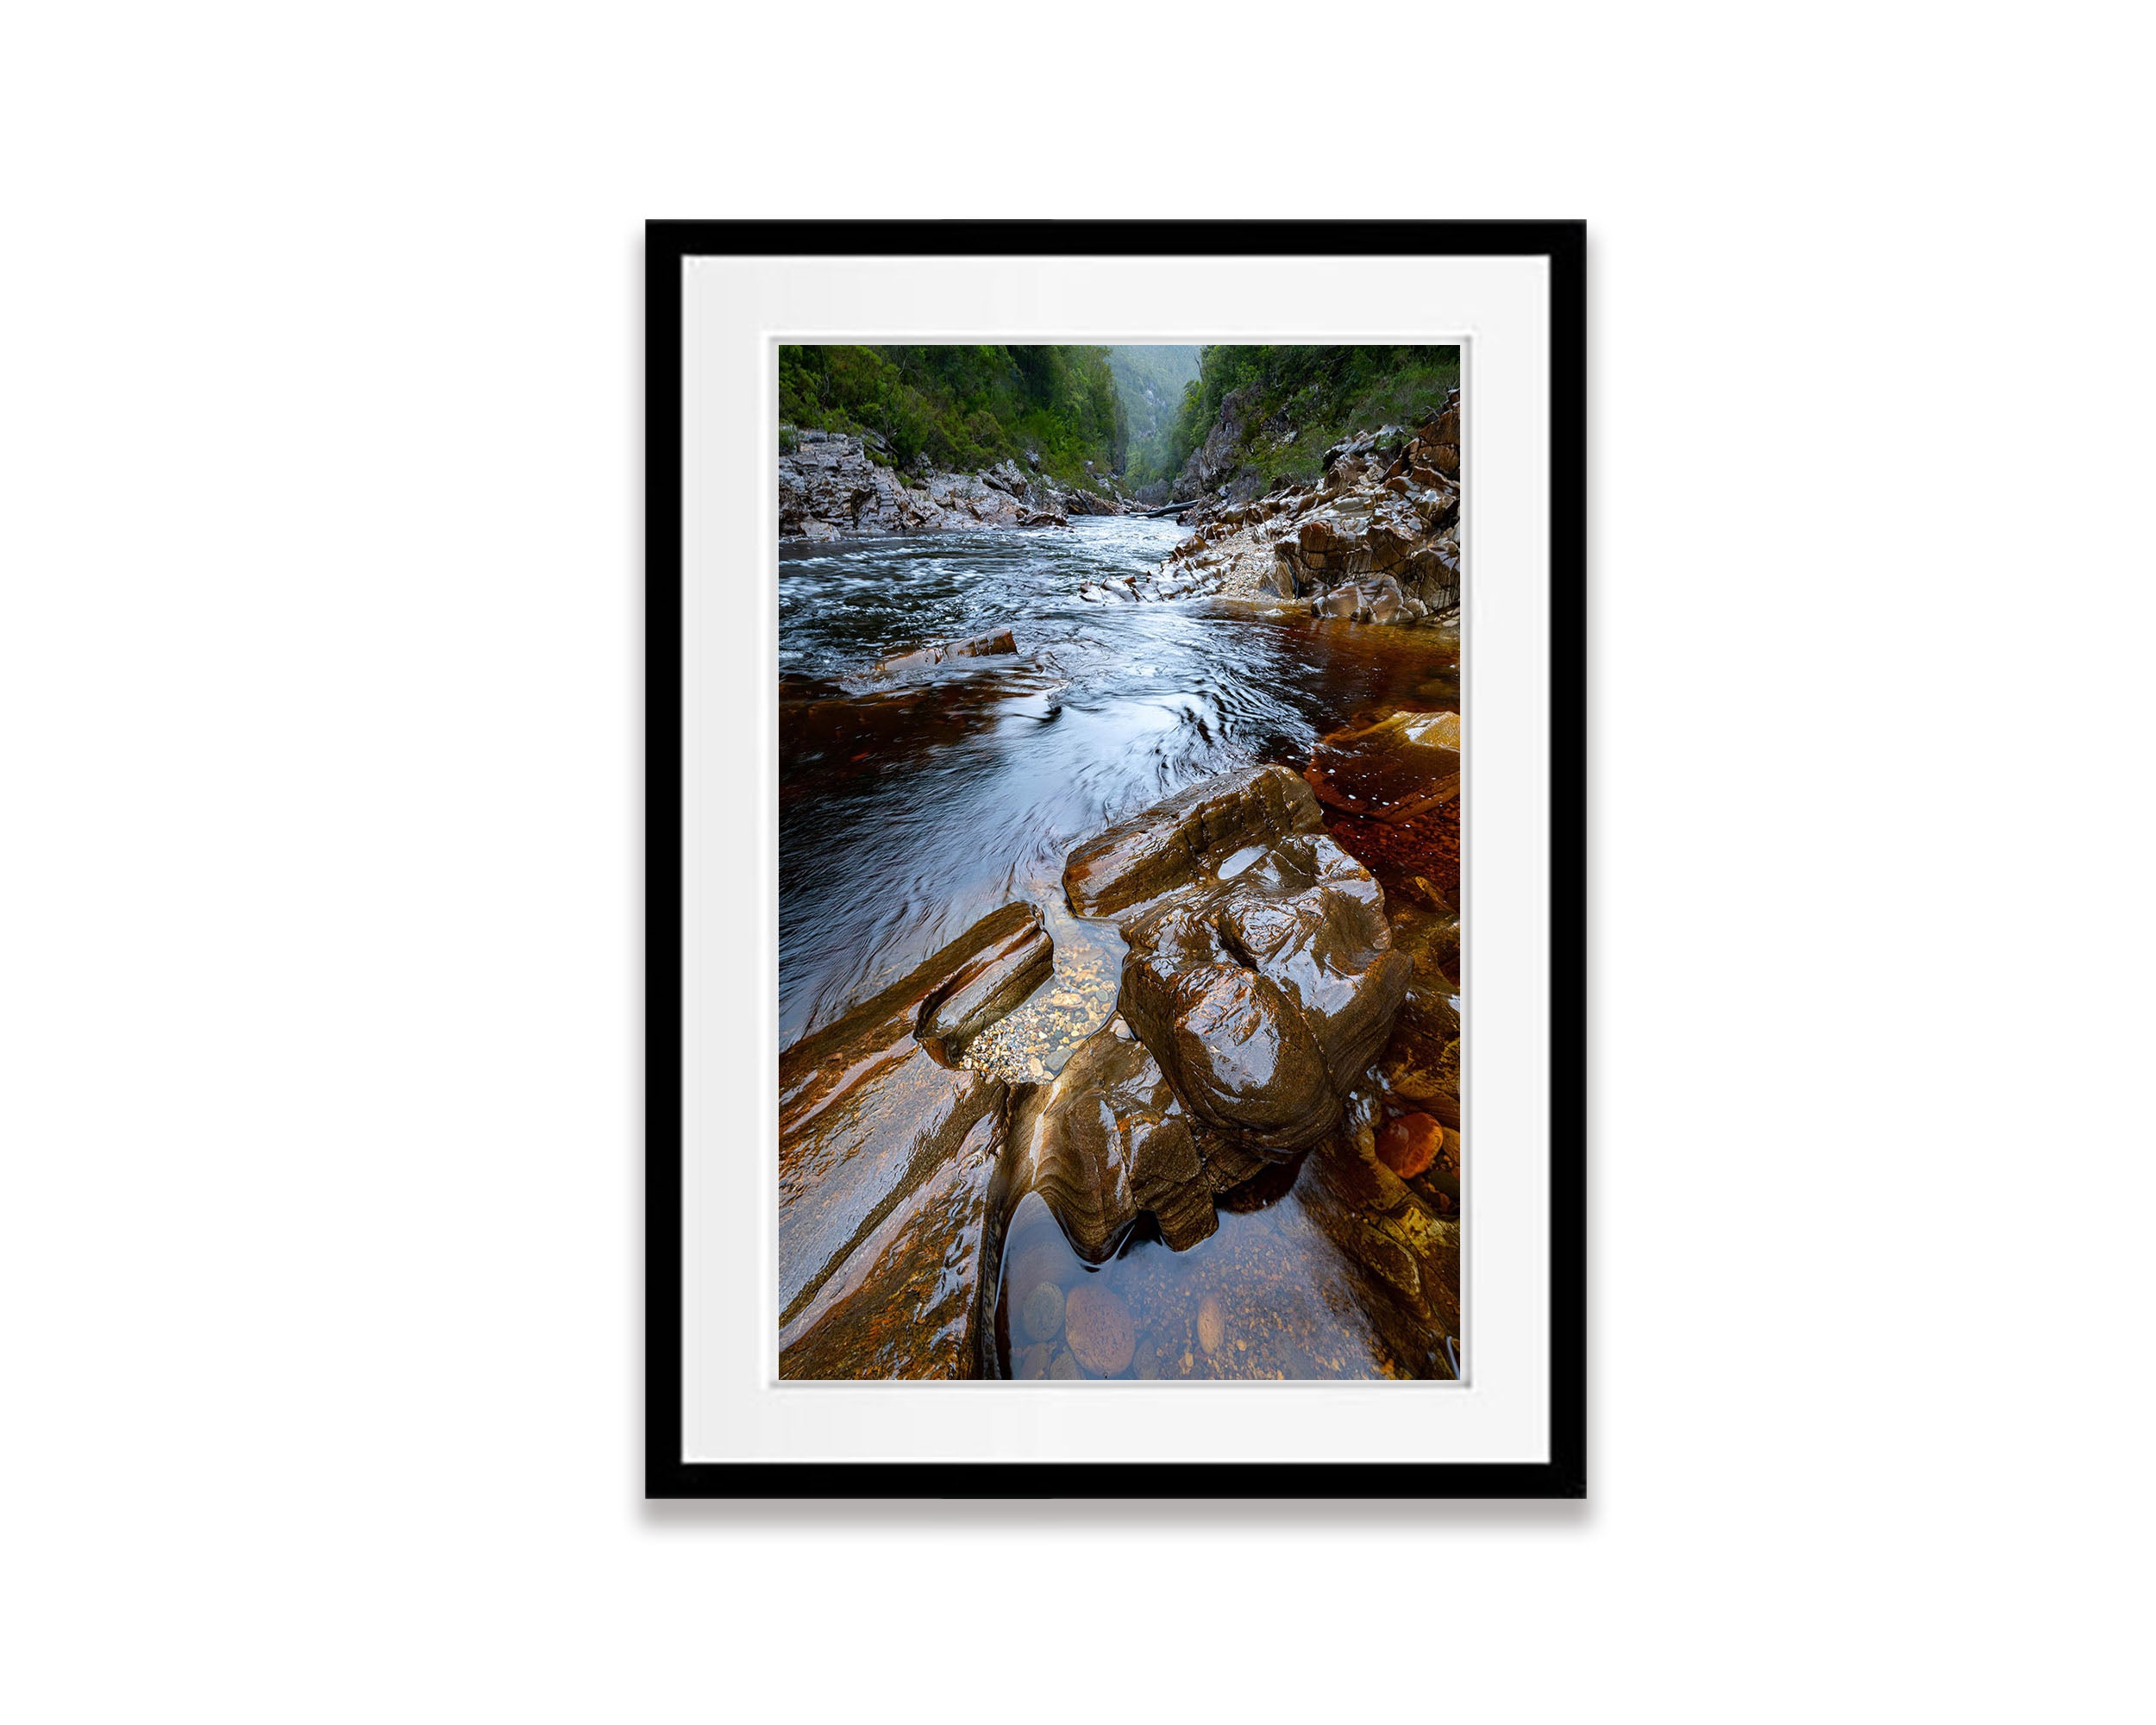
867, 1112
1264, 992
907, 1301
1400, 1250
1409, 1144
1015, 955
1169, 844
1103, 1143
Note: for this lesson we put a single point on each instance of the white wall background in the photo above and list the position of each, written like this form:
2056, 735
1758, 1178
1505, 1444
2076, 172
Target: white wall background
319, 540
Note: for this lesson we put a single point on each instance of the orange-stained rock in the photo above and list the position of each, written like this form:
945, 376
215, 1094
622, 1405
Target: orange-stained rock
1410, 1144
1098, 1326
1401, 1254
1403, 764
906, 1302
1174, 842
867, 1114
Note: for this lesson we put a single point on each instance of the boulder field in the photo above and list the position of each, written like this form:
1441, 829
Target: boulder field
1375, 540
1276, 1028
831, 487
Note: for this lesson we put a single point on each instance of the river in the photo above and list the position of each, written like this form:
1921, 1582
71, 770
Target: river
971, 792
913, 805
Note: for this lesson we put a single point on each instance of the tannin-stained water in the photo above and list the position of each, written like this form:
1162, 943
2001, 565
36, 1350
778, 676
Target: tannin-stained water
911, 806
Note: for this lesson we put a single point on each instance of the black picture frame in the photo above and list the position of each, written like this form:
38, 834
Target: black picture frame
667, 1474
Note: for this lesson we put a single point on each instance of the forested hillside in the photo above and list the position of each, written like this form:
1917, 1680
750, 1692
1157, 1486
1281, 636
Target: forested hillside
1294, 403
1152, 379
961, 408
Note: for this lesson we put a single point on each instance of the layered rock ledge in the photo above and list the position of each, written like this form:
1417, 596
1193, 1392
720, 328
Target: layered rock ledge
831, 487
874, 1116
1277, 1030
1375, 540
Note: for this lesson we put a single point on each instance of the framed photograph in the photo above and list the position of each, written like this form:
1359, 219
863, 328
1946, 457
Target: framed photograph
1117, 859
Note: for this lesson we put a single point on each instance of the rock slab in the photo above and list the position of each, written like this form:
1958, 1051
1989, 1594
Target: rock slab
869, 1112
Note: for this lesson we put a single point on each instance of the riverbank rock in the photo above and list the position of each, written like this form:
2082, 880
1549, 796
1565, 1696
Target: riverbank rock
1401, 1255
1103, 1142
870, 1115
1016, 956
1171, 843
832, 487
1419, 1068
1387, 505
907, 1301
1217, 462
1265, 991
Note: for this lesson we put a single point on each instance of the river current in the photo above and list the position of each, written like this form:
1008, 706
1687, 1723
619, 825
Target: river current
994, 769
912, 804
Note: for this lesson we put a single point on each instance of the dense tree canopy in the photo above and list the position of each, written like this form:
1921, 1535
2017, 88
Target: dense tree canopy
1305, 398
964, 407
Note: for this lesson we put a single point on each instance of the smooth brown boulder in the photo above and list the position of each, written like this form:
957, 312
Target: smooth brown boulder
1173, 842
1410, 1144
907, 1301
867, 1113
1265, 994
1103, 1142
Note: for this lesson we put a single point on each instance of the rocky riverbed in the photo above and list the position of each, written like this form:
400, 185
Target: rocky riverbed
1375, 540
1119, 954
832, 487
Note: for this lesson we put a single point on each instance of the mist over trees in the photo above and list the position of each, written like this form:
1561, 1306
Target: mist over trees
1086, 413
1152, 379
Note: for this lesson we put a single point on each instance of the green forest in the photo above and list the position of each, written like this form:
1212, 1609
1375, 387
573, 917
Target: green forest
1152, 379
964, 407
1308, 398
1136, 411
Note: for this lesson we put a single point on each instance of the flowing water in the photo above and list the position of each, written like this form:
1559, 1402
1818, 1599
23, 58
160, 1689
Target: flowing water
973, 795
909, 806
